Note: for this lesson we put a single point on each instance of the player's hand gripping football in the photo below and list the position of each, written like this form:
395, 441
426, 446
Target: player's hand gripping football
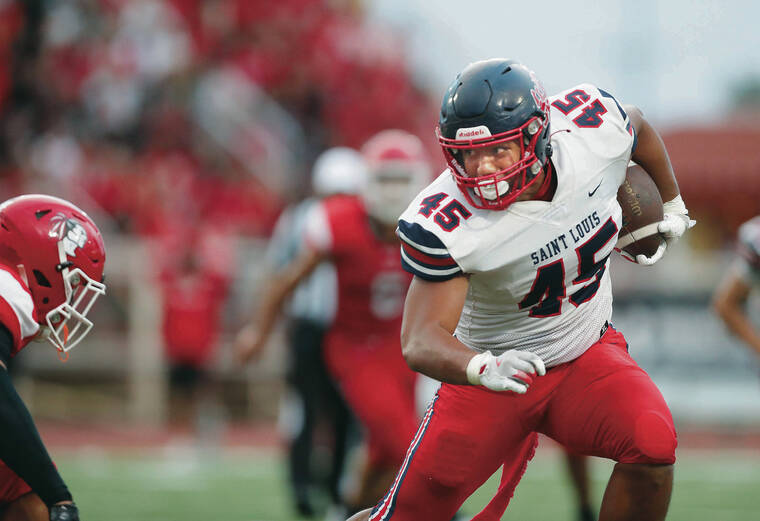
674, 223
248, 344
510, 371
64, 512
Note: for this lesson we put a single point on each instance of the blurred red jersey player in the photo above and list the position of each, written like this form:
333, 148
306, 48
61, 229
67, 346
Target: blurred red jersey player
51, 272
194, 294
362, 348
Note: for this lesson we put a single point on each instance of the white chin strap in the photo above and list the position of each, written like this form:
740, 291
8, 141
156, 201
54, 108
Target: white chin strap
67, 324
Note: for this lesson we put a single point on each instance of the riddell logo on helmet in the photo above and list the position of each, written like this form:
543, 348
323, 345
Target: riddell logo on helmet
473, 133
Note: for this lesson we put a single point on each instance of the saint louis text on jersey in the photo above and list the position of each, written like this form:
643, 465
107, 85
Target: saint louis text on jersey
561, 242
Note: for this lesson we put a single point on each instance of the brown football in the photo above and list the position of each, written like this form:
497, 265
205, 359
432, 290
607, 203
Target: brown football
642, 210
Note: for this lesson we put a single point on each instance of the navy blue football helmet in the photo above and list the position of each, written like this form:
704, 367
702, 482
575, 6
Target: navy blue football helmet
491, 102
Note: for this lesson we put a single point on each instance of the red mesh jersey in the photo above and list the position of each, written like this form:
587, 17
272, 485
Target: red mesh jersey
371, 283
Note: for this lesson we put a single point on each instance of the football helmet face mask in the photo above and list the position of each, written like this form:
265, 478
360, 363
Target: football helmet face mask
398, 168
59, 252
493, 102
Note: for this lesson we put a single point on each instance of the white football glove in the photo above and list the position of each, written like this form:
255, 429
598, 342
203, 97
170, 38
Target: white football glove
510, 371
648, 261
675, 222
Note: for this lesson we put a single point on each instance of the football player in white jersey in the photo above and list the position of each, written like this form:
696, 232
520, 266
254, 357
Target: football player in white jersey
730, 298
511, 298
51, 272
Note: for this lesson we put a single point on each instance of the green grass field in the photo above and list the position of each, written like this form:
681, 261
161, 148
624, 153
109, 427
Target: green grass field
248, 485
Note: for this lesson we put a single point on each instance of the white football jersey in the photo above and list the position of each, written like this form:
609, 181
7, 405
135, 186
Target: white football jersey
539, 276
748, 265
17, 309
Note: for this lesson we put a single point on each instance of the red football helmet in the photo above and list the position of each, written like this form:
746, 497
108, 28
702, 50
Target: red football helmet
398, 168
59, 252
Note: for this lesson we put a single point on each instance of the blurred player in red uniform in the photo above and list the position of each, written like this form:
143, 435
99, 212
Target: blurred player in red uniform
51, 272
512, 297
361, 349
730, 298
193, 296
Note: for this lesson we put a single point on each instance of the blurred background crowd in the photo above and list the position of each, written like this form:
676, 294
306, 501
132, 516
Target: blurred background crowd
163, 112
185, 127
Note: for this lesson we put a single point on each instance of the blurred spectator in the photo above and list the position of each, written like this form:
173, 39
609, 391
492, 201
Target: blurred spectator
193, 294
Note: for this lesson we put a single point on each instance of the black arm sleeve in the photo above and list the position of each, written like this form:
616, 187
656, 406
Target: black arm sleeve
20, 445
6, 345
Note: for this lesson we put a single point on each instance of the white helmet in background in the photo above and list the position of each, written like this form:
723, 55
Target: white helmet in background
398, 169
339, 170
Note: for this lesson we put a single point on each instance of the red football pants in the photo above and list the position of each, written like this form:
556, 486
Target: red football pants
378, 386
601, 404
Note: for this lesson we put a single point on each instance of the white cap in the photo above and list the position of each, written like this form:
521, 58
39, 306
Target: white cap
339, 170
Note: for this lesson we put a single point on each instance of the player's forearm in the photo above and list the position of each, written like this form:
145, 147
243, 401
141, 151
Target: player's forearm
279, 286
434, 352
740, 325
652, 155
270, 304
22, 449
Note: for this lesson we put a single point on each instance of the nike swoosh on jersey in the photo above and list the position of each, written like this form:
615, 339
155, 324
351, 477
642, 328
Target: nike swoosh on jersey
592, 192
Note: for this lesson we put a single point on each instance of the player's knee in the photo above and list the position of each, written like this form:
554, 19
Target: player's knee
654, 440
647, 478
